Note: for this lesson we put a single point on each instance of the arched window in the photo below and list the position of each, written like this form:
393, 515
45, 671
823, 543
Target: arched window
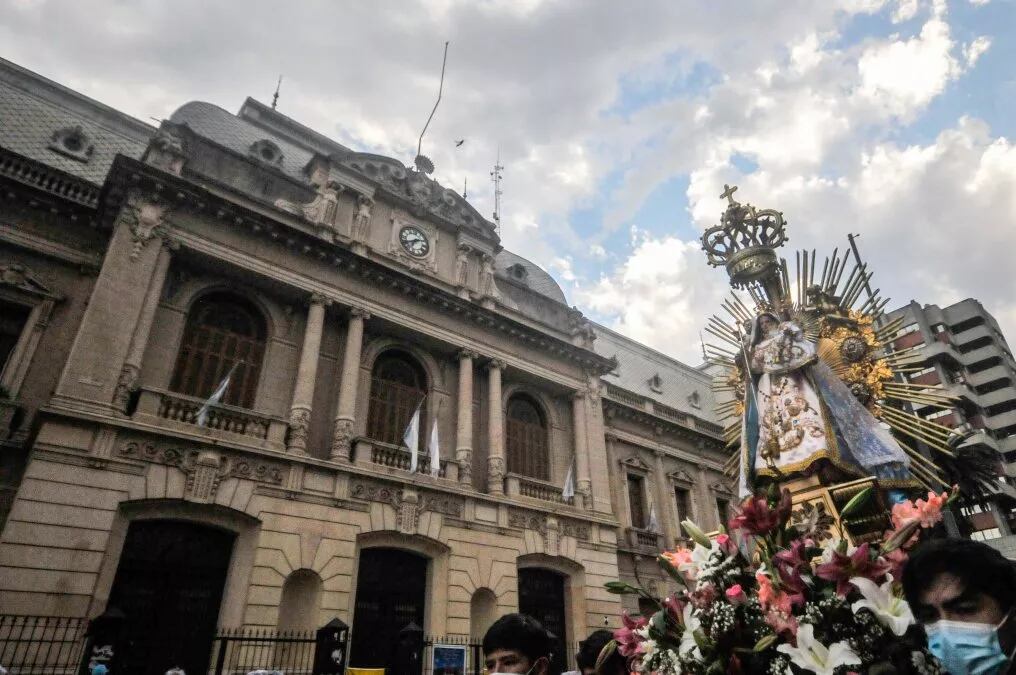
526, 431
224, 333
397, 386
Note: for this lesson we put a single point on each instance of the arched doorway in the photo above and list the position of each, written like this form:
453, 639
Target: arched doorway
541, 596
169, 585
390, 594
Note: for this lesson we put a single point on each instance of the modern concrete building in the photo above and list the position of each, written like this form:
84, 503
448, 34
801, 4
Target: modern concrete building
336, 293
962, 348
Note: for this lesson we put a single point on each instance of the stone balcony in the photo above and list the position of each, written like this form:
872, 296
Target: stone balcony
224, 422
517, 485
392, 458
644, 541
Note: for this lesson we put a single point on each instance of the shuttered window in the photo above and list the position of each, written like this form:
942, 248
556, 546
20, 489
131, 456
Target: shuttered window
397, 386
526, 435
636, 501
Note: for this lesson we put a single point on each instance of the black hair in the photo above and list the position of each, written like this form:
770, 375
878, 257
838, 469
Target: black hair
518, 632
979, 568
589, 651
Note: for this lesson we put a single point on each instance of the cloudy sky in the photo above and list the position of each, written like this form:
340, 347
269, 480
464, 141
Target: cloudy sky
619, 123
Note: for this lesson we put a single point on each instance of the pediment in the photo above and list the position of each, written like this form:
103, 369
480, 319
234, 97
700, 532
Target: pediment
19, 277
681, 476
635, 462
722, 488
423, 195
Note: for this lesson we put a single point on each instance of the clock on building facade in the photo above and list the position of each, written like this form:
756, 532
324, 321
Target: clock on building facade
414, 241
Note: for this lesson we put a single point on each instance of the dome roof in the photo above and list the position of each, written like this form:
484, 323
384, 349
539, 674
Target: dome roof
508, 265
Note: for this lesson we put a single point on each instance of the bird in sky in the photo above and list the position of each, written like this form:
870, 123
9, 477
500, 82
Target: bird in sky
458, 144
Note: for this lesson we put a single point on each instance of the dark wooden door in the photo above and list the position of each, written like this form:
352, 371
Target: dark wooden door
169, 585
390, 594
541, 596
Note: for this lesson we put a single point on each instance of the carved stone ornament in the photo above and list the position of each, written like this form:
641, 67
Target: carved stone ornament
681, 477
574, 528
635, 462
495, 470
552, 537
321, 210
584, 491
21, 278
342, 438
449, 505
234, 466
126, 385
488, 287
359, 228
423, 195
72, 142
527, 520
409, 512
267, 152
462, 265
299, 428
465, 460
166, 151
146, 220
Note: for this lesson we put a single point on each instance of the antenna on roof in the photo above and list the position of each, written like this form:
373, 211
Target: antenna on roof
495, 176
423, 163
465, 182
275, 96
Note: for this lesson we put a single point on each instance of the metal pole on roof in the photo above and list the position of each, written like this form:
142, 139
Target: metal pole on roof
419, 145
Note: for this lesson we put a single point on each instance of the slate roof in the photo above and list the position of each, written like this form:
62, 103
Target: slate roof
536, 278
637, 364
32, 108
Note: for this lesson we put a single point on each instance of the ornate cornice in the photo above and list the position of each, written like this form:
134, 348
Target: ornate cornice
183, 195
49, 180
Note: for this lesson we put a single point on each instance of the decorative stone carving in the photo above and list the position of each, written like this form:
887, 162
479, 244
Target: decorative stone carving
422, 194
681, 477
267, 152
426, 261
495, 470
359, 229
462, 265
552, 537
299, 427
635, 462
72, 142
342, 439
19, 277
320, 211
235, 466
126, 385
584, 492
576, 529
408, 512
207, 471
488, 288
166, 151
464, 457
146, 220
527, 520
374, 492
446, 504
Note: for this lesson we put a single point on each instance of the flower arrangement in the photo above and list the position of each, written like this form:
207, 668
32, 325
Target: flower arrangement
782, 594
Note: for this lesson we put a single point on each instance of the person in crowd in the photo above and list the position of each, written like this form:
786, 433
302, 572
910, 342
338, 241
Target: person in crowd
963, 593
589, 652
517, 643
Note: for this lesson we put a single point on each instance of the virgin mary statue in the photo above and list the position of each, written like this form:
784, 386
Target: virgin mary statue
800, 419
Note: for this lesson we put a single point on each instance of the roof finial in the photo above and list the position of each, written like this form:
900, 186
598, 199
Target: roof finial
423, 163
275, 96
465, 182
495, 176
728, 194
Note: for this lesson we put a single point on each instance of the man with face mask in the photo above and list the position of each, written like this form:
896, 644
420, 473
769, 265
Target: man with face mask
517, 643
964, 594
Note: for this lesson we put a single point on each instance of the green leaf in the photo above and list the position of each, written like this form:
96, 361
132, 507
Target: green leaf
856, 502
620, 588
765, 643
901, 537
702, 641
696, 534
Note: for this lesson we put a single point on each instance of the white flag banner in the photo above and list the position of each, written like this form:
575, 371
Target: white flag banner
654, 524
411, 438
568, 491
215, 398
435, 450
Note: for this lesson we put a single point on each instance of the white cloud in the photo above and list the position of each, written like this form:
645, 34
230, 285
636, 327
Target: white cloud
976, 49
905, 10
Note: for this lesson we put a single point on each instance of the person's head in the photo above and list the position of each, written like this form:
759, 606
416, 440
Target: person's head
959, 580
963, 592
589, 651
517, 643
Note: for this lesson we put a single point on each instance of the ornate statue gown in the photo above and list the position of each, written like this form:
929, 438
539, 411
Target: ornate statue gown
798, 413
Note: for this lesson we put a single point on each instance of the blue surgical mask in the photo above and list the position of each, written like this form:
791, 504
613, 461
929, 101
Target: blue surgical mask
966, 648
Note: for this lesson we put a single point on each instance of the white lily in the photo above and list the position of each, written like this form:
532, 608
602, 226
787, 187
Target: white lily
890, 609
815, 657
691, 624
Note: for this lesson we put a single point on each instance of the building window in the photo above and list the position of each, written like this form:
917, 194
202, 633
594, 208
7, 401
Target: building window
224, 334
13, 318
723, 510
907, 330
985, 535
637, 501
397, 386
526, 435
683, 499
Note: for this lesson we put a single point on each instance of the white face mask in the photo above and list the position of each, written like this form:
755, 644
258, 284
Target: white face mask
528, 672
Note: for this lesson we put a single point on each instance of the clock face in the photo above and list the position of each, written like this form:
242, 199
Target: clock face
414, 241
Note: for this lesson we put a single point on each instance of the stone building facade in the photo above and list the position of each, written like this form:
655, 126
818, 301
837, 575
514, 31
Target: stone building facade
337, 292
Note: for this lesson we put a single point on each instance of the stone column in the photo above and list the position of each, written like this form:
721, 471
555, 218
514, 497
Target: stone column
306, 377
464, 417
127, 383
345, 409
583, 484
663, 501
495, 437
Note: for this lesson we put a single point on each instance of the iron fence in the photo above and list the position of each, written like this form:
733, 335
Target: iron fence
241, 650
41, 645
